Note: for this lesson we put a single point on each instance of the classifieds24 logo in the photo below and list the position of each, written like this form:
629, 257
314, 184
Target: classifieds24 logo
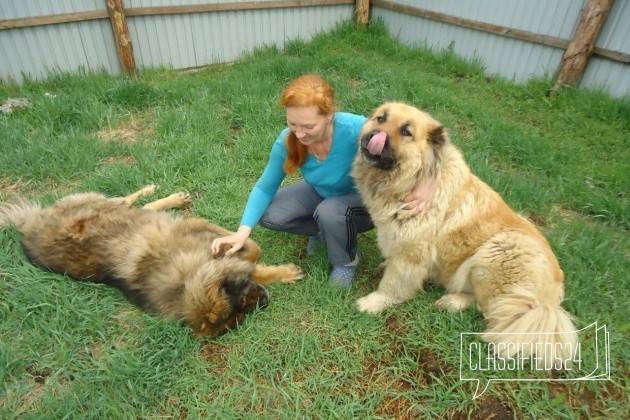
588, 359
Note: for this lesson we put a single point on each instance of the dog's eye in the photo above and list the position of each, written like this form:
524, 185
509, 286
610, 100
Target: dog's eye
404, 131
381, 118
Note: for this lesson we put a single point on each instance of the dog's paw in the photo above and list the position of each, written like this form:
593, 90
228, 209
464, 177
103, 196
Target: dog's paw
181, 199
455, 302
292, 273
373, 303
148, 189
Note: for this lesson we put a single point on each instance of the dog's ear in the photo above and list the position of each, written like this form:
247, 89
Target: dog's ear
438, 137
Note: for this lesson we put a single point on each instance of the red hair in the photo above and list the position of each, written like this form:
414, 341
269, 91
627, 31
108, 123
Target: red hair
307, 90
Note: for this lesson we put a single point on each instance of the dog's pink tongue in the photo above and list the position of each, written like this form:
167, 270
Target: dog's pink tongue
376, 143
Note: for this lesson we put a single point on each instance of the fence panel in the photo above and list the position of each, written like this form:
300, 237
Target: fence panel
67, 47
176, 40
512, 58
615, 35
183, 40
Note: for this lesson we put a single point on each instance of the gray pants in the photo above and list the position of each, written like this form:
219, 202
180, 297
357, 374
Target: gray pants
298, 209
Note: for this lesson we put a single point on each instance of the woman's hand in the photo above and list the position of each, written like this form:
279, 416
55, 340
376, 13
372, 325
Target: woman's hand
236, 240
420, 199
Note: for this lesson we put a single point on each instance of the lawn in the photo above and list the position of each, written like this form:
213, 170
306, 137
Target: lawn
70, 349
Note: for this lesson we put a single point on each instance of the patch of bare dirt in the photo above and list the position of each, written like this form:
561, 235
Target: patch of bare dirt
355, 84
567, 214
17, 187
395, 325
377, 376
595, 401
464, 132
126, 131
489, 408
12, 187
537, 219
216, 356
123, 160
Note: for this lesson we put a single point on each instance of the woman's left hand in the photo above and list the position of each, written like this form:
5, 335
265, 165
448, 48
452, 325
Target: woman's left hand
421, 198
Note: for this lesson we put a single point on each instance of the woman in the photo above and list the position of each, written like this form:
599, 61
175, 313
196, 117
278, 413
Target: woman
324, 205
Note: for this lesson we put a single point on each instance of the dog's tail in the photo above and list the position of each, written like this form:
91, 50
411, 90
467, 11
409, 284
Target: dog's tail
16, 213
520, 324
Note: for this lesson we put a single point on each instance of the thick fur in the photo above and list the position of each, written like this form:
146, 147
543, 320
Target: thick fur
469, 241
159, 260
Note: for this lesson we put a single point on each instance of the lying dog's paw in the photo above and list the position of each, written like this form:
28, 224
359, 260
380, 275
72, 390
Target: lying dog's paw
373, 303
455, 302
148, 189
292, 273
182, 198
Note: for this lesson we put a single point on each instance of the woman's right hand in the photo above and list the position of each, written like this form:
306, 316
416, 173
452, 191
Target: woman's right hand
236, 240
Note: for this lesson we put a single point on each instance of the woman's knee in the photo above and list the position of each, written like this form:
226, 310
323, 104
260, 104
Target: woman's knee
271, 220
332, 212
335, 213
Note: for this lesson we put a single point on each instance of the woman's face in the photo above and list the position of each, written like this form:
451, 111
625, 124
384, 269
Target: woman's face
308, 125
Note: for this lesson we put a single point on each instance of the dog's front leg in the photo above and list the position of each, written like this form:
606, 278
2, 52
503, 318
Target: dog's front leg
287, 273
401, 282
146, 190
173, 201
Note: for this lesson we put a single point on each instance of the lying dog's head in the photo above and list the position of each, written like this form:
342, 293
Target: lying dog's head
397, 134
220, 296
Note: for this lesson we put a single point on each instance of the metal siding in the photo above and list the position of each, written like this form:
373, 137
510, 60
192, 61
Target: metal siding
181, 41
606, 75
37, 52
502, 12
177, 41
511, 58
14, 9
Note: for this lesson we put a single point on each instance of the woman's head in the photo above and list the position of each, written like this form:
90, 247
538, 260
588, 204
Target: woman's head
310, 104
309, 90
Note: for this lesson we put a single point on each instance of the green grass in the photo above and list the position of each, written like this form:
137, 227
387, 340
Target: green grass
80, 350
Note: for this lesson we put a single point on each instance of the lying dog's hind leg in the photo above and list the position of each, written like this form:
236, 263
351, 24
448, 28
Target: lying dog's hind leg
146, 190
173, 201
287, 273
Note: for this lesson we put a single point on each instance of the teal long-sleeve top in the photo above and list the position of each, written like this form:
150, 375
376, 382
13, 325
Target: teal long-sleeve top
329, 178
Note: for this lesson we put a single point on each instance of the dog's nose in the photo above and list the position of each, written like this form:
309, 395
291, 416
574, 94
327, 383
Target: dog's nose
263, 300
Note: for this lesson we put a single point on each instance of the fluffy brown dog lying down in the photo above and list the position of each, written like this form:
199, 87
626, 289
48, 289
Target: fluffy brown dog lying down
469, 241
161, 261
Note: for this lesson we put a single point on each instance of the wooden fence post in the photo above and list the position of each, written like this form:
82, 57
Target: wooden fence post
362, 12
116, 12
575, 58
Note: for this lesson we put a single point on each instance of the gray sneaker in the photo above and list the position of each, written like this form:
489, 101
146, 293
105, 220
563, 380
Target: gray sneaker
314, 243
343, 275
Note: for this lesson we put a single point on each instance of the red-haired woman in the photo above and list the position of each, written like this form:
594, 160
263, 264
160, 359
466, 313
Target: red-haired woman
324, 205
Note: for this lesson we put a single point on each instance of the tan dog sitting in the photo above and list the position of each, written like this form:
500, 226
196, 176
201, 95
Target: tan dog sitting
469, 241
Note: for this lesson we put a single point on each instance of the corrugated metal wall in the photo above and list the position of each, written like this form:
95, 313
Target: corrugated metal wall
605, 74
511, 58
67, 47
190, 40
182, 41
177, 41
